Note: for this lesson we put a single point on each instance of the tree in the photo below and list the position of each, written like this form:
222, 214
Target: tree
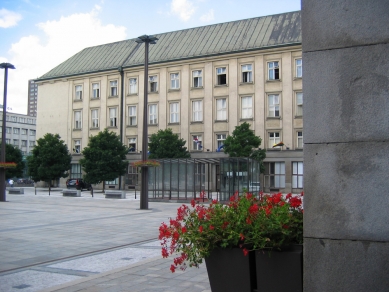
13, 154
50, 159
104, 158
242, 143
165, 144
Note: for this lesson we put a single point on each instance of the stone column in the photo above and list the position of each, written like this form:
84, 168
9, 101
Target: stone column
346, 145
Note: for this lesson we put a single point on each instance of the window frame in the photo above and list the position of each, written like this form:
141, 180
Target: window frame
199, 78
218, 79
113, 90
276, 178
249, 74
156, 82
77, 146
130, 143
132, 116
220, 140
133, 86
299, 111
272, 107
299, 139
113, 119
95, 121
197, 112
297, 174
197, 146
176, 113
298, 68
78, 93
243, 108
175, 81
221, 110
77, 120
273, 140
155, 121
275, 68
16, 131
95, 91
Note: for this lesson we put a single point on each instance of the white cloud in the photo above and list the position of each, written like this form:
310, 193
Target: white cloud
9, 18
209, 16
183, 8
34, 56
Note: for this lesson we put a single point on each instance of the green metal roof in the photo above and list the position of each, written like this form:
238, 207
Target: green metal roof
218, 39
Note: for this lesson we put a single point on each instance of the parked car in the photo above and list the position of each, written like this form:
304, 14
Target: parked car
78, 184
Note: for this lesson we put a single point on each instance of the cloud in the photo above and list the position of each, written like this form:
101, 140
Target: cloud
209, 16
183, 8
34, 56
9, 18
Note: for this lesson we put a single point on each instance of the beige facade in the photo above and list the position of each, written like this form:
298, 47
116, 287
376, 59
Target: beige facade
201, 98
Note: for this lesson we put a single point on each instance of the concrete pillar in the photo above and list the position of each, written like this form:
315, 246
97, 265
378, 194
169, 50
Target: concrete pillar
346, 145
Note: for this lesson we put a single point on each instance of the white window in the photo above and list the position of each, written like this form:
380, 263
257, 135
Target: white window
77, 120
297, 175
221, 75
153, 114
247, 107
275, 174
274, 105
8, 130
24, 131
131, 144
31, 143
32, 132
22, 120
247, 73
174, 81
300, 142
197, 78
299, 104
95, 90
95, 118
13, 119
77, 146
197, 110
174, 112
78, 92
16, 142
113, 88
221, 109
273, 71
153, 80
299, 68
16, 130
197, 142
113, 117
220, 138
24, 142
133, 86
132, 115
274, 139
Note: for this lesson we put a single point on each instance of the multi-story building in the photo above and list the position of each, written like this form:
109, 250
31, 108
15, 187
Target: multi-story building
203, 82
21, 131
32, 98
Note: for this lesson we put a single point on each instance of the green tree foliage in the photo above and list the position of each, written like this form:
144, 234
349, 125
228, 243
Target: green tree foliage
165, 144
242, 143
14, 155
50, 159
104, 158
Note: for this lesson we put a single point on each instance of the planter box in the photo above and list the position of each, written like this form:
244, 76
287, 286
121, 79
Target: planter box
16, 191
280, 271
229, 270
115, 194
71, 193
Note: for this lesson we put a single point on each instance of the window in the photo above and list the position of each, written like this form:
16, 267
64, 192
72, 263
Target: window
197, 142
153, 80
197, 78
299, 68
24, 131
300, 142
131, 144
221, 109
95, 118
16, 142
247, 73
297, 175
113, 88
78, 92
153, 117
8, 130
299, 104
197, 110
274, 138
174, 112
220, 138
132, 115
77, 120
32, 132
247, 107
77, 146
132, 175
174, 81
273, 71
112, 182
31, 143
22, 120
221, 74
133, 86
24, 143
16, 131
75, 171
275, 174
113, 117
274, 105
95, 90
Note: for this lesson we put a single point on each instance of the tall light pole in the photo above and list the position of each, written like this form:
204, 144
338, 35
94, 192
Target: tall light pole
4, 66
144, 200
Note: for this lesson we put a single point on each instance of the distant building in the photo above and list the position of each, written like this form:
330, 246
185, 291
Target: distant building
32, 98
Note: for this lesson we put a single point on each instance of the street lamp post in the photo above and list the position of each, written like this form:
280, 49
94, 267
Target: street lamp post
144, 202
4, 66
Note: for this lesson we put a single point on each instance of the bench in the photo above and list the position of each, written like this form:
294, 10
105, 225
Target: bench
71, 193
16, 191
115, 194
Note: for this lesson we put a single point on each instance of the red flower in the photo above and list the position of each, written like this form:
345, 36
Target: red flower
211, 227
201, 229
295, 202
245, 251
248, 220
225, 224
172, 268
253, 209
288, 196
241, 236
183, 229
165, 254
193, 203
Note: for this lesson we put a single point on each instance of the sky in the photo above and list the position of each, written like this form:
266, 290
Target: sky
38, 35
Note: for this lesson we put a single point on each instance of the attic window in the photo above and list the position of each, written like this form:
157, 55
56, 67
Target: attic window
221, 76
273, 70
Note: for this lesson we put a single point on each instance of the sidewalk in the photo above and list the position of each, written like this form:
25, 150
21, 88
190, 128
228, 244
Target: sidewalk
56, 243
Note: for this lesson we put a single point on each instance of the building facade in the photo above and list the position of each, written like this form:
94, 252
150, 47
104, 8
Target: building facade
32, 98
203, 82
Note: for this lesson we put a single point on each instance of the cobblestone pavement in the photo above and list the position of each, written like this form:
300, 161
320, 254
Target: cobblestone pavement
56, 243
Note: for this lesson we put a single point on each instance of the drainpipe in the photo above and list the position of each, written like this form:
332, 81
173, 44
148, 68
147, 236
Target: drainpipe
121, 116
